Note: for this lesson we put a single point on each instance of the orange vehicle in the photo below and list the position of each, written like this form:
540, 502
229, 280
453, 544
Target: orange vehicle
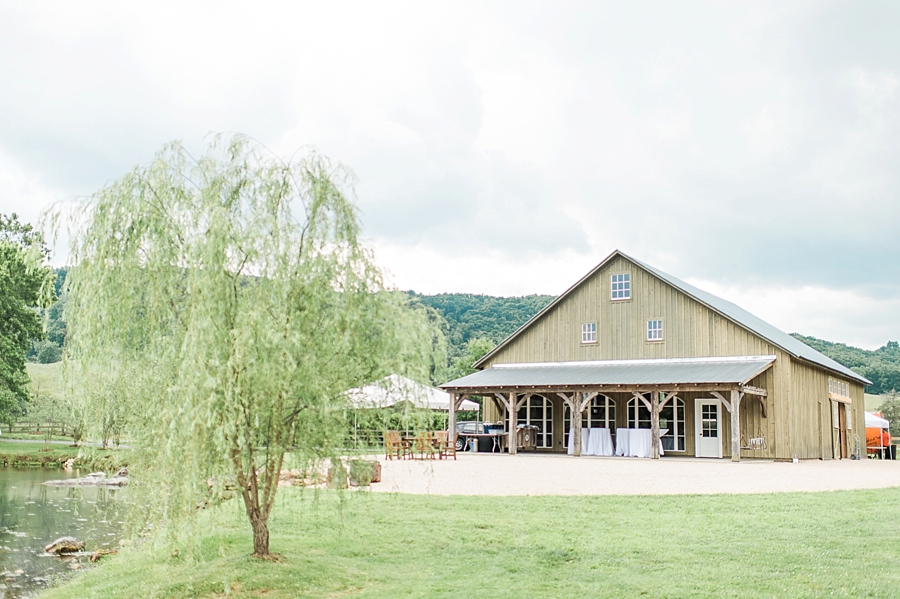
876, 439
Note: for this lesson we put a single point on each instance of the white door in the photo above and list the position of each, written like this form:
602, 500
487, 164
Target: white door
708, 416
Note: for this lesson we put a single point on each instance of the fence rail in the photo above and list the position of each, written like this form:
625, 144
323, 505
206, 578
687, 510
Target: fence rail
40, 428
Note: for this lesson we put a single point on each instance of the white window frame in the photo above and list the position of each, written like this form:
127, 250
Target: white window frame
633, 408
838, 388
607, 418
589, 333
620, 287
655, 333
544, 422
677, 428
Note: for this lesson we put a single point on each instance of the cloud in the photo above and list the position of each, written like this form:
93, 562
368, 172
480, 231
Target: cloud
749, 145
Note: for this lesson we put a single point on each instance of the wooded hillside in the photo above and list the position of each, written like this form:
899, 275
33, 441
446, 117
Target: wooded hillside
495, 318
881, 366
468, 316
471, 316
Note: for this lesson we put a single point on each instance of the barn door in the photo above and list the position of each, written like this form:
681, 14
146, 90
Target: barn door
842, 427
708, 428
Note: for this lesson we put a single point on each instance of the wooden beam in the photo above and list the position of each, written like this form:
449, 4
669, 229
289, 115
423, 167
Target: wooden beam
576, 425
587, 397
576, 407
451, 419
736, 425
668, 397
643, 399
762, 402
569, 400
749, 390
654, 426
721, 398
522, 401
513, 425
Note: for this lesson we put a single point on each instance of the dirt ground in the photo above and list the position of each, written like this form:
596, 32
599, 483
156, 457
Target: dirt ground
554, 474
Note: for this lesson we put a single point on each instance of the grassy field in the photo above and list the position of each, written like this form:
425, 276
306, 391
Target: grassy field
873, 402
24, 455
841, 544
46, 378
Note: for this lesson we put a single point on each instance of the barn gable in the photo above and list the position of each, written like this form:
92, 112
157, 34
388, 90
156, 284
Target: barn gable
694, 324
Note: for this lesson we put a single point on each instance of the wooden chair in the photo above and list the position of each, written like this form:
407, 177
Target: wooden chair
424, 445
446, 444
393, 445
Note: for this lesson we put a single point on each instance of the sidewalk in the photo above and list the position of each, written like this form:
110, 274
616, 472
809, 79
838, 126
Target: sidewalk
551, 474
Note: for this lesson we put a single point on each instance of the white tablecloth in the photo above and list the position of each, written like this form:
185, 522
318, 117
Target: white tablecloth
585, 436
636, 442
600, 443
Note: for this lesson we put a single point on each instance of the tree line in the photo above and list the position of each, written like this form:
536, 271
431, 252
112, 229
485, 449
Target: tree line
881, 366
473, 324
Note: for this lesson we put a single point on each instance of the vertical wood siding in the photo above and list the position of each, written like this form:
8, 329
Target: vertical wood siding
798, 422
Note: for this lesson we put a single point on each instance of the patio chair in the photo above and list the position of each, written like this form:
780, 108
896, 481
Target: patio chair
424, 445
393, 445
446, 444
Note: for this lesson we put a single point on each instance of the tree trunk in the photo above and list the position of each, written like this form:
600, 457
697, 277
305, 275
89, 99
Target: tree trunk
260, 536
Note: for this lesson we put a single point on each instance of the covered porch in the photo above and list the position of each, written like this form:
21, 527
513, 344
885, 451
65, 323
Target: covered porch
682, 404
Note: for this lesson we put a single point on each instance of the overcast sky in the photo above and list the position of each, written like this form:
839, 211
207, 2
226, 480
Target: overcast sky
752, 149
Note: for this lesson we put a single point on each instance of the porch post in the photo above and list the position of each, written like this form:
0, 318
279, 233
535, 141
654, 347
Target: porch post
735, 425
654, 425
513, 415
575, 411
451, 419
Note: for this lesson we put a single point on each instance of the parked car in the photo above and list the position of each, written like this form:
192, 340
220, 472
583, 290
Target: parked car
474, 427
468, 427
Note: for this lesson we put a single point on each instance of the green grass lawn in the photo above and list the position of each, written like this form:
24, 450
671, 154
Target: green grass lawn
840, 544
47, 378
873, 402
34, 454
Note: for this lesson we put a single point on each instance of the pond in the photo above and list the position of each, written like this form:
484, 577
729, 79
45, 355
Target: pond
33, 515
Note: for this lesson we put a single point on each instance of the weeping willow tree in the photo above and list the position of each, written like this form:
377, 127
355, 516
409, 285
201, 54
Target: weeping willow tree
220, 307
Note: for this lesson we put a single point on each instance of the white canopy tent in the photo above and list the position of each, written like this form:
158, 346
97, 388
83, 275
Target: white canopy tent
873, 421
394, 389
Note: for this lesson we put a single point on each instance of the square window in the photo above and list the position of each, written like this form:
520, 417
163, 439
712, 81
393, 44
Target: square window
621, 286
589, 332
654, 330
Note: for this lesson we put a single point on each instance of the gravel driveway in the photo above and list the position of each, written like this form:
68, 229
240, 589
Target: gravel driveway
549, 474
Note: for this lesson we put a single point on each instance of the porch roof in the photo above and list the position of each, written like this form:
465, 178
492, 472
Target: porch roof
671, 374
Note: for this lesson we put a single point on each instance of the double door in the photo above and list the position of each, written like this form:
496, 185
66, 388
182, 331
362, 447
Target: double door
537, 411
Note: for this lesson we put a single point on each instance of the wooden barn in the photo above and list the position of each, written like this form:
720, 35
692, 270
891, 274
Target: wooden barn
643, 356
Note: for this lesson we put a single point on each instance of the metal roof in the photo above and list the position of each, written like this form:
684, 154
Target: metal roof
733, 312
755, 324
633, 373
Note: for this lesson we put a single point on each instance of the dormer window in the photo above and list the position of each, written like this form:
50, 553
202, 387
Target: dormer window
589, 332
621, 286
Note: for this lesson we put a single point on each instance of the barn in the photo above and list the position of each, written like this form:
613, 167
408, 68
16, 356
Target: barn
652, 362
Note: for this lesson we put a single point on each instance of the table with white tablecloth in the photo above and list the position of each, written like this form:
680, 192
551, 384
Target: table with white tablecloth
594, 441
585, 436
601, 442
636, 442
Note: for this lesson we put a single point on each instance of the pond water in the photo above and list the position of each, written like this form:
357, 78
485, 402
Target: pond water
33, 515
